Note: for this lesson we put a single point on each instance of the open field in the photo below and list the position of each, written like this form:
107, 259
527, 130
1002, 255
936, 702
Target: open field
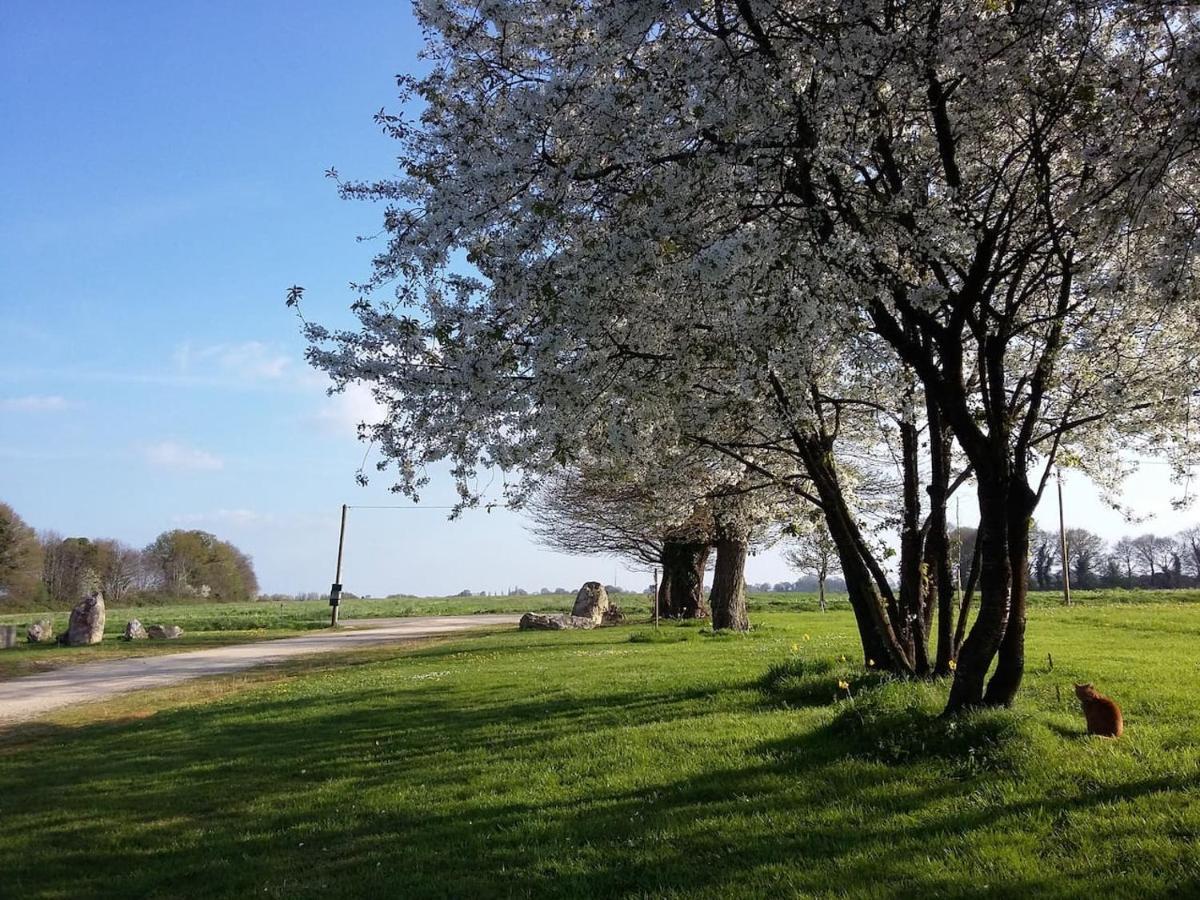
36, 696
609, 763
215, 624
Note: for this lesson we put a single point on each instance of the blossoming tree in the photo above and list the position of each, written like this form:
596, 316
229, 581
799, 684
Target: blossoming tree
672, 212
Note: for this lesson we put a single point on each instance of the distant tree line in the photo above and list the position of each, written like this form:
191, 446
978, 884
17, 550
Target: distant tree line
1146, 561
544, 592
807, 585
50, 569
1135, 561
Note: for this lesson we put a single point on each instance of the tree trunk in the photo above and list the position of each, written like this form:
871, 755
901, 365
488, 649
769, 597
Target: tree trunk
1005, 506
728, 598
964, 606
911, 627
1010, 667
995, 579
681, 594
821, 590
937, 544
870, 597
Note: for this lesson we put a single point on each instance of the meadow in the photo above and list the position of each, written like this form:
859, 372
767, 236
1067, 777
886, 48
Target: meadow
215, 624
624, 762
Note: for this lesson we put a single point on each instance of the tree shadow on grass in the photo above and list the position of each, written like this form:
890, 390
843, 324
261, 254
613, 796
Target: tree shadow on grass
472, 790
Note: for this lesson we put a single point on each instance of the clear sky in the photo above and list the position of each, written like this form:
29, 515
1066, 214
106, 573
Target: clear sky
163, 186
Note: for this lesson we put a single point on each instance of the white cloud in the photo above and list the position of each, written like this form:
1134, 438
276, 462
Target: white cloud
179, 457
34, 403
246, 360
342, 413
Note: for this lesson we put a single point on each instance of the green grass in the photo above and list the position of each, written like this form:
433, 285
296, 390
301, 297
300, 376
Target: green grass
297, 615
214, 624
611, 763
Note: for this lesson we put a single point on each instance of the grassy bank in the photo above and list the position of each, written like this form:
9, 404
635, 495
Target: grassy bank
610, 763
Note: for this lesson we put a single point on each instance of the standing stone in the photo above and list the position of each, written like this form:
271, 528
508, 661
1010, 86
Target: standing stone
134, 631
40, 632
591, 602
8, 637
164, 632
553, 622
87, 621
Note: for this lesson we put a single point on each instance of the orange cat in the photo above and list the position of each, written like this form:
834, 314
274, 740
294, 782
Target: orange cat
1103, 715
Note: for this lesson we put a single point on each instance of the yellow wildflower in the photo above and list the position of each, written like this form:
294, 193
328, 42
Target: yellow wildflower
844, 686
953, 665
870, 663
806, 637
795, 648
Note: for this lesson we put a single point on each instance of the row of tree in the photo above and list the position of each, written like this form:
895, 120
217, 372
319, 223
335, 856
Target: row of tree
1144, 560
48, 568
746, 268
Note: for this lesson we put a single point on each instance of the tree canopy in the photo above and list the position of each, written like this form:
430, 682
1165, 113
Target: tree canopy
20, 559
736, 224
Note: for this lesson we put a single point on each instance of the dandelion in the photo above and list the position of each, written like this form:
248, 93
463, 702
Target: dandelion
843, 657
806, 637
795, 648
953, 665
870, 663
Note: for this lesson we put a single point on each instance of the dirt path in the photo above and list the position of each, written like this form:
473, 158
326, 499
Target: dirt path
34, 695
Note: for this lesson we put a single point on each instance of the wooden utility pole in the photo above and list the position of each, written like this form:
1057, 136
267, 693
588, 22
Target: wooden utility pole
656, 598
335, 592
1062, 541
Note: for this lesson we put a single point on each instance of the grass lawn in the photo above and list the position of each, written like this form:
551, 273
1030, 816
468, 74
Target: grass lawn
214, 624
608, 763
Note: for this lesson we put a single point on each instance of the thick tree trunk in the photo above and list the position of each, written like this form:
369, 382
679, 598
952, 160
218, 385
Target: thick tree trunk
1005, 505
681, 594
821, 591
1010, 667
870, 598
728, 597
995, 579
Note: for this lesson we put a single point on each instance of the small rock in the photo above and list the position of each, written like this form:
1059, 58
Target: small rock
613, 616
591, 602
87, 621
134, 631
8, 637
164, 632
40, 632
553, 622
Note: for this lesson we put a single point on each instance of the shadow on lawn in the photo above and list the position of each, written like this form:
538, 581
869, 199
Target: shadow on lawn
268, 795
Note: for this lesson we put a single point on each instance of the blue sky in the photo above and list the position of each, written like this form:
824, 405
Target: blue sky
163, 187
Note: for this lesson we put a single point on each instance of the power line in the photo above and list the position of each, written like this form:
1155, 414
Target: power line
410, 506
